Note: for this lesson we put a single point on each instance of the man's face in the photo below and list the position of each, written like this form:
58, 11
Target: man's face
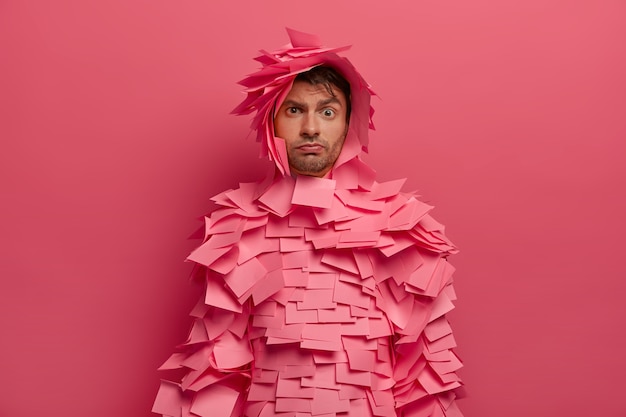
313, 124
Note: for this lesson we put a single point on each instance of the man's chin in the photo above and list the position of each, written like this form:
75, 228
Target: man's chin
311, 171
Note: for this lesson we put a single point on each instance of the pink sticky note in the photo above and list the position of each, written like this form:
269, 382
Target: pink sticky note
441, 356
432, 384
215, 401
313, 191
337, 211
353, 392
279, 227
324, 377
351, 295
358, 328
240, 325
297, 294
441, 306
449, 366
421, 277
341, 260
384, 410
293, 404
254, 243
261, 392
326, 331
221, 240
271, 284
346, 375
274, 198
363, 264
217, 321
296, 277
356, 200
365, 312
298, 371
243, 197
358, 343
277, 357
317, 299
175, 361
400, 243
386, 189
327, 242
296, 259
379, 328
294, 244
291, 388
231, 352
276, 321
283, 296
399, 312
367, 222
226, 262
361, 360
303, 217
288, 331
242, 278
217, 295
168, 399
313, 234
220, 225
302, 39
321, 345
223, 200
205, 255
449, 377
271, 261
443, 343
327, 401
408, 215
347, 174
339, 314
437, 328
355, 237
293, 315
330, 357
267, 308
383, 368
321, 280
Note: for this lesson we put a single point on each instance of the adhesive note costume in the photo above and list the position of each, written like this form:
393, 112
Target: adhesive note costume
324, 297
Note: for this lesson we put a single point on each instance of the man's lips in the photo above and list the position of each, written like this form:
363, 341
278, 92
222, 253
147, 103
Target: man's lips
311, 147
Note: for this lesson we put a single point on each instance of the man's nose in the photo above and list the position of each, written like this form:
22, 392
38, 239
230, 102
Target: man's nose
310, 125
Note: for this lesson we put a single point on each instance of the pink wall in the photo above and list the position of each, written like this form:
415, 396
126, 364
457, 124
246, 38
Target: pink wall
509, 116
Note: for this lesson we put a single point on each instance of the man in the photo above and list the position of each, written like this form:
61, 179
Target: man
326, 291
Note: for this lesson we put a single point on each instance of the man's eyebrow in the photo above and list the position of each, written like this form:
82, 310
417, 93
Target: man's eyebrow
293, 103
328, 101
321, 103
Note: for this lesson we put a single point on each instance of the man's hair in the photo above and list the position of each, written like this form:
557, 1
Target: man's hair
329, 78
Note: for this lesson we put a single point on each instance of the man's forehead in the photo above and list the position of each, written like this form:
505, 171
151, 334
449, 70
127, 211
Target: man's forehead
301, 90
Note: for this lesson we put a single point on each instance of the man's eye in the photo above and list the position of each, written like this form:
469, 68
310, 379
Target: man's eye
292, 110
329, 112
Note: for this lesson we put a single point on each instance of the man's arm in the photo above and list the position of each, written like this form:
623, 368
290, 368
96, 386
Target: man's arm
425, 365
215, 360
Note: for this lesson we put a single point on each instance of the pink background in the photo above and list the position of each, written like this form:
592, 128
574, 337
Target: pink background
509, 116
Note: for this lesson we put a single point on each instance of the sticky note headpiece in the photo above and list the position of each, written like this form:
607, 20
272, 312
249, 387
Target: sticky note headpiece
267, 88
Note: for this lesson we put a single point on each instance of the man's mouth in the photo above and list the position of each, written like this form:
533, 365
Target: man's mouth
311, 147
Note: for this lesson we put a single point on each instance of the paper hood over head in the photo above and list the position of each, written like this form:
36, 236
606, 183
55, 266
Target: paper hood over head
267, 88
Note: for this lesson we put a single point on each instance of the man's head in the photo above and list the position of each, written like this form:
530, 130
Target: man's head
313, 120
305, 62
